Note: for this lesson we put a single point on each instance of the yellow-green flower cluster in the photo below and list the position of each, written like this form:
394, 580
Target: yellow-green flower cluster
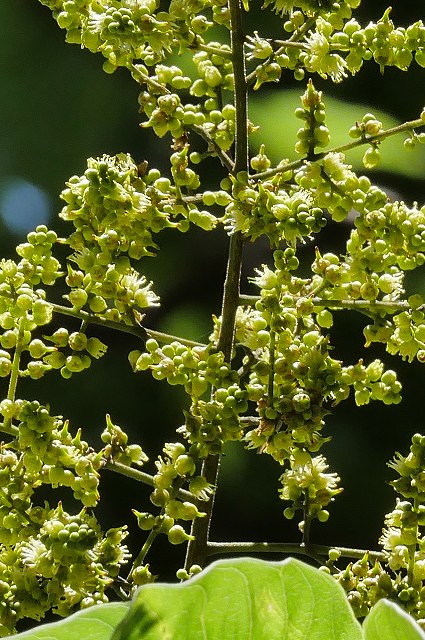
173, 468
51, 560
400, 575
58, 562
210, 422
308, 487
293, 378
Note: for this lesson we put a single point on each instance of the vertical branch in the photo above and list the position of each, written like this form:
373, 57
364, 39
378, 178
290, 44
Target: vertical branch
197, 548
14, 374
272, 356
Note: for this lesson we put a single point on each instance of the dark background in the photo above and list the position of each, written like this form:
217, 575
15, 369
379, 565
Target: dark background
57, 108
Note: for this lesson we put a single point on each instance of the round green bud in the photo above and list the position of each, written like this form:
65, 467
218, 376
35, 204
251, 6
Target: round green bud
141, 575
160, 497
60, 337
5, 367
8, 339
97, 304
323, 515
325, 319
182, 574
77, 297
177, 535
208, 198
371, 157
184, 465
334, 555
37, 348
145, 521
152, 345
77, 341
75, 363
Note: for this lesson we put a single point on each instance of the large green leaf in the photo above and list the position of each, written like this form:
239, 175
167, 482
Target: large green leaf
387, 621
95, 623
274, 113
244, 599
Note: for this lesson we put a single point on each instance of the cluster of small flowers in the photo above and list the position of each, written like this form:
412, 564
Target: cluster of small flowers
215, 71
372, 382
58, 561
209, 423
308, 487
37, 264
305, 383
284, 212
337, 45
404, 334
111, 211
49, 559
70, 554
116, 447
178, 465
272, 208
271, 69
71, 353
368, 126
328, 8
113, 217
341, 279
125, 32
403, 543
387, 44
23, 307
166, 111
365, 582
175, 362
57, 458
319, 57
314, 132
306, 380
317, 52
335, 187
398, 227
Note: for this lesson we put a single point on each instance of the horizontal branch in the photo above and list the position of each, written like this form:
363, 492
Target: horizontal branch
366, 139
359, 305
10, 430
133, 329
214, 548
217, 51
141, 476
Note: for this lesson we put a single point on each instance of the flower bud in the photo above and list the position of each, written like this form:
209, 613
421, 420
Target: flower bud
177, 535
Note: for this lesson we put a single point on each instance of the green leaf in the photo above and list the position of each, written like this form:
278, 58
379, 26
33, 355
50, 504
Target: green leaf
244, 599
95, 623
387, 621
274, 113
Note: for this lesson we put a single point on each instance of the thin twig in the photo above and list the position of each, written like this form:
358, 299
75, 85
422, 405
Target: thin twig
287, 548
